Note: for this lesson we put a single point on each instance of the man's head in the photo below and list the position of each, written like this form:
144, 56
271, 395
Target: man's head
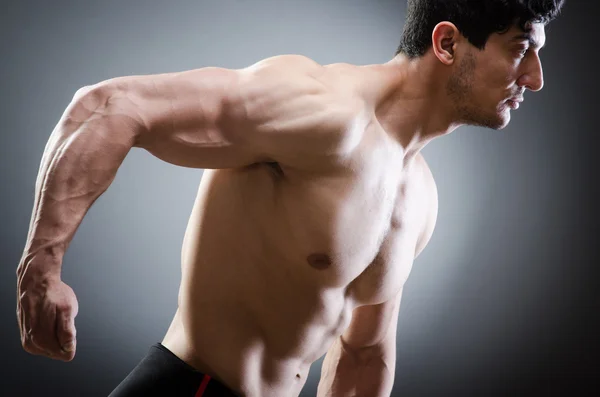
489, 49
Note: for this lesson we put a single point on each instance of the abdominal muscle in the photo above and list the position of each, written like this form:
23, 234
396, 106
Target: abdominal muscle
253, 312
245, 352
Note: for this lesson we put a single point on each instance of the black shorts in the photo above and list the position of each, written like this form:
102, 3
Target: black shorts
162, 374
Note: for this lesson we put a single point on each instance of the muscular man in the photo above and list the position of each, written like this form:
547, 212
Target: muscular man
314, 203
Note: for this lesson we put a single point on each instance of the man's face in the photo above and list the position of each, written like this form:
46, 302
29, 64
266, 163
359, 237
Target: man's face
485, 83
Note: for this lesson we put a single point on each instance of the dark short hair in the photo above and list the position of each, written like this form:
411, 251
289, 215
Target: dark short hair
475, 19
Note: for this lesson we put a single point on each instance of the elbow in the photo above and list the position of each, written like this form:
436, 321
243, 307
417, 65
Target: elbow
102, 103
101, 91
90, 99
80, 93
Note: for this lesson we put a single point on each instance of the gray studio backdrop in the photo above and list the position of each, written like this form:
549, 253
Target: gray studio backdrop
490, 306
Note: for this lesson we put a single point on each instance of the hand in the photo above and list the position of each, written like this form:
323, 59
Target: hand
46, 311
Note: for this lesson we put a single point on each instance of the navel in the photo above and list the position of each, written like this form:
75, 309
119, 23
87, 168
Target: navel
319, 261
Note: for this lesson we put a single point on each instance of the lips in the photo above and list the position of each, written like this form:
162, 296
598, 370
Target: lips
513, 103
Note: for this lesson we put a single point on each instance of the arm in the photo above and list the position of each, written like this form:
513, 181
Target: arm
205, 118
97, 131
362, 361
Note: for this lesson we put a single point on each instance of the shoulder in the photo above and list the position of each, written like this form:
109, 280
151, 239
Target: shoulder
343, 83
292, 108
340, 79
284, 64
296, 85
430, 198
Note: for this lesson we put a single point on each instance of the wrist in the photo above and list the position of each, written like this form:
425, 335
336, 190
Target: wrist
39, 266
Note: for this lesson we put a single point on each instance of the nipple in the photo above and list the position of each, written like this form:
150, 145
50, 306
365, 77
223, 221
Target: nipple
319, 261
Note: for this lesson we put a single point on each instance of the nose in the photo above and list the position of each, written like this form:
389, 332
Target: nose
533, 78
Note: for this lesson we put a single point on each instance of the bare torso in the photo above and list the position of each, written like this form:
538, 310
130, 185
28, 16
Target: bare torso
276, 257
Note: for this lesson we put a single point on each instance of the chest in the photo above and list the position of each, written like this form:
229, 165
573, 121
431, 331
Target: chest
384, 271
359, 230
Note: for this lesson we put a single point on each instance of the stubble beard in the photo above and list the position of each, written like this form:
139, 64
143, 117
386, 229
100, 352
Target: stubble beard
460, 88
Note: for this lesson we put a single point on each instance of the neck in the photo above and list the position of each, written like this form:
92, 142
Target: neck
416, 107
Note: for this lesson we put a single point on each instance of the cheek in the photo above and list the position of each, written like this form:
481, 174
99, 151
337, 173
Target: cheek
503, 75
507, 72
488, 86
495, 85
498, 72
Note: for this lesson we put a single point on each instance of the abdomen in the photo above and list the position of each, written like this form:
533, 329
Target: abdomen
243, 276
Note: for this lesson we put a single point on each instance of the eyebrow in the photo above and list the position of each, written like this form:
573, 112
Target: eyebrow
527, 36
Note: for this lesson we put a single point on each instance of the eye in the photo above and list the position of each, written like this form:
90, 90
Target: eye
522, 51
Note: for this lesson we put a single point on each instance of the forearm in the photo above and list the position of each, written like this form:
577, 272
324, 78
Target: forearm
79, 163
349, 372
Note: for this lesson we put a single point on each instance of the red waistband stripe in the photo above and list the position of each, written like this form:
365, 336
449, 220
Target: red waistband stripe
203, 386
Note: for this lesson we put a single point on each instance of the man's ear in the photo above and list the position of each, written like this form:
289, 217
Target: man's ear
445, 38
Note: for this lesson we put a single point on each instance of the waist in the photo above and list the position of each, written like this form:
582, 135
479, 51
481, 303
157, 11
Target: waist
233, 349
247, 327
